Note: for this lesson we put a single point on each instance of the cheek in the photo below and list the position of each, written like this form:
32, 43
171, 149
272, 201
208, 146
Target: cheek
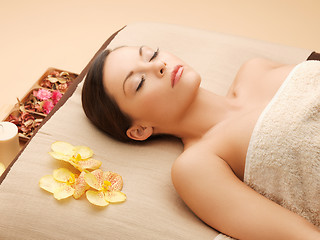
153, 102
161, 107
161, 103
155, 106
167, 103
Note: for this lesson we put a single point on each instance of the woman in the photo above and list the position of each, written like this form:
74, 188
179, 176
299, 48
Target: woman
134, 93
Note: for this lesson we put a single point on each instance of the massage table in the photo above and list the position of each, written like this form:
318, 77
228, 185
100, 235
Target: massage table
153, 210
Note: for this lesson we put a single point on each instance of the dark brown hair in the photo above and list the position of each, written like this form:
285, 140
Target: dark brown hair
101, 109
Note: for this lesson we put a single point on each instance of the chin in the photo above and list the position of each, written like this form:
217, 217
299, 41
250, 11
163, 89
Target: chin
193, 79
190, 85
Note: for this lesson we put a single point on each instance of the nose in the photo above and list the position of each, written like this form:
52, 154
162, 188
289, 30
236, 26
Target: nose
158, 67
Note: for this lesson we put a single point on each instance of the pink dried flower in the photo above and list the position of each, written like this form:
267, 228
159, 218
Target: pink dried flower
43, 94
47, 106
56, 95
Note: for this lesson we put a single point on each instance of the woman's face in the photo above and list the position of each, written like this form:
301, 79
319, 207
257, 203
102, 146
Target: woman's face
151, 86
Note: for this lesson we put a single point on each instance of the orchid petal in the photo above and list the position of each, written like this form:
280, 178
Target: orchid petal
90, 163
63, 192
63, 175
94, 179
60, 156
80, 186
65, 158
98, 173
64, 148
115, 180
84, 151
96, 198
115, 197
49, 184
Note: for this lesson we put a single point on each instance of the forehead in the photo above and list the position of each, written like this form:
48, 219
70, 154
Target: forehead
117, 66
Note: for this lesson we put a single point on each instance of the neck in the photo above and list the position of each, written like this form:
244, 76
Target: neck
205, 112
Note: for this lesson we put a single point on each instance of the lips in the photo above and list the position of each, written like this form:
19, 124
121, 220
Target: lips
176, 74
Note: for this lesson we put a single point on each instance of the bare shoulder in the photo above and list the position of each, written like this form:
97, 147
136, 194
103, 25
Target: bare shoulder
261, 63
202, 179
198, 166
193, 162
257, 67
192, 172
211, 190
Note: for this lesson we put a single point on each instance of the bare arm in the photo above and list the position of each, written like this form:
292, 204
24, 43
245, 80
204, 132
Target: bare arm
219, 198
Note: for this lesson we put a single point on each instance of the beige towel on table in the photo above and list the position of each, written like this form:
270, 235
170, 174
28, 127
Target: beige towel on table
283, 158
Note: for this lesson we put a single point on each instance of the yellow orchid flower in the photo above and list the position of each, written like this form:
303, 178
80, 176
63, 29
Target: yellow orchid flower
77, 156
2, 168
107, 187
63, 184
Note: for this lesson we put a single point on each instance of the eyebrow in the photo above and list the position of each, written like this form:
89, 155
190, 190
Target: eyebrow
131, 72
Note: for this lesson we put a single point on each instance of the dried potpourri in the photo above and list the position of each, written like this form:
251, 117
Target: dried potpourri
26, 122
58, 81
41, 101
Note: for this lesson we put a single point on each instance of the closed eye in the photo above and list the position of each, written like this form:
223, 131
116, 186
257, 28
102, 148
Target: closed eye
155, 54
141, 83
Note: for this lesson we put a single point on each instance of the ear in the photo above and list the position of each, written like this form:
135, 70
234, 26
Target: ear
139, 133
